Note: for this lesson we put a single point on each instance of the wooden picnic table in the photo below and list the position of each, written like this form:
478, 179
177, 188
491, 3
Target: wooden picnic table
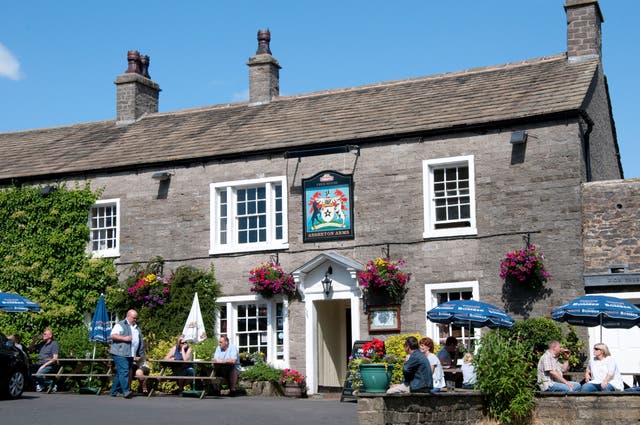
78, 369
205, 372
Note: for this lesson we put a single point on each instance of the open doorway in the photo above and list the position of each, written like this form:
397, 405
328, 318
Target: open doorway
334, 330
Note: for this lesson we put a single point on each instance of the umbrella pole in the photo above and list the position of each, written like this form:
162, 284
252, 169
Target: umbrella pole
600, 328
93, 358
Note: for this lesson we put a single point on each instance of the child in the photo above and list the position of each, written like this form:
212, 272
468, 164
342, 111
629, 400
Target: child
468, 372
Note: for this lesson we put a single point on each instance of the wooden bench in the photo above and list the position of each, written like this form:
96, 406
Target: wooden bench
205, 373
103, 369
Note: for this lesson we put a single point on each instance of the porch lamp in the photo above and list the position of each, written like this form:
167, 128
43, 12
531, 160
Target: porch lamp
326, 282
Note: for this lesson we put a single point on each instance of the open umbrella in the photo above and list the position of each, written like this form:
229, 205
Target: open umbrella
470, 313
14, 303
598, 310
194, 332
100, 331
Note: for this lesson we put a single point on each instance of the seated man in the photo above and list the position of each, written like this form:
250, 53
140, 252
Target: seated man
416, 370
48, 351
448, 354
550, 370
228, 353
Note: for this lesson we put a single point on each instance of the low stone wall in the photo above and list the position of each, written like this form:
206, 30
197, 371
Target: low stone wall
460, 408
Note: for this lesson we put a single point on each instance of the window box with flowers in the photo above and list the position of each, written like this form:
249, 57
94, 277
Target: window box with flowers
383, 281
269, 280
372, 372
524, 267
293, 383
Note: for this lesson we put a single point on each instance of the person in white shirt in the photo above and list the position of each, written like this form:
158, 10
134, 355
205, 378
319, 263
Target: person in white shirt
427, 347
468, 372
603, 373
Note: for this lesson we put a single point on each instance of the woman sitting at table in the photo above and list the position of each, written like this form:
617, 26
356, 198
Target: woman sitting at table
603, 373
427, 347
181, 352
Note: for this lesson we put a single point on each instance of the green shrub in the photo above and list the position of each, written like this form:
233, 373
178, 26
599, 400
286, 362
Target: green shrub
261, 372
506, 377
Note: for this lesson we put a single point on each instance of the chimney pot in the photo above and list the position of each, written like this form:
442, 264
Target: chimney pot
133, 59
264, 37
144, 66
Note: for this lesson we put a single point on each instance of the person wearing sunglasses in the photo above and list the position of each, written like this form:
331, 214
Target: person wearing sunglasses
602, 374
181, 352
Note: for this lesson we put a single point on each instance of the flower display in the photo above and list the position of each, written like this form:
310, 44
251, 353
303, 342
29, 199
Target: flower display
384, 274
269, 279
372, 352
151, 290
292, 376
525, 266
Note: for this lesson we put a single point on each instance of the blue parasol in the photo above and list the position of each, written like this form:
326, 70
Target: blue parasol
100, 331
100, 325
598, 310
470, 313
14, 303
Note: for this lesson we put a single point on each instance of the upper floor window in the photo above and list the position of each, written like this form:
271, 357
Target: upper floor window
249, 215
449, 197
104, 224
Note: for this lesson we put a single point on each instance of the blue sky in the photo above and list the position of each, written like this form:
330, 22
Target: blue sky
58, 60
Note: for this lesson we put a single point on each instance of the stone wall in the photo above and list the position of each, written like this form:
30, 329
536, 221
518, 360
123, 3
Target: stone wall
467, 408
611, 211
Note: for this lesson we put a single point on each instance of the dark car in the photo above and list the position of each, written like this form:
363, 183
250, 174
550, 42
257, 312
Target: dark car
14, 369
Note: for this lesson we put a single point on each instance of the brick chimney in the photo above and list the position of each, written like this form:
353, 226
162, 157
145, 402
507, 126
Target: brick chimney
136, 94
264, 72
584, 36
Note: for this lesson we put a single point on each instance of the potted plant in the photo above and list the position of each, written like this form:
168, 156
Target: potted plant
293, 383
524, 266
269, 279
375, 368
383, 276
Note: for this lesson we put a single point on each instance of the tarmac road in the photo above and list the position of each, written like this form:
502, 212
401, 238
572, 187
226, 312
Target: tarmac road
76, 409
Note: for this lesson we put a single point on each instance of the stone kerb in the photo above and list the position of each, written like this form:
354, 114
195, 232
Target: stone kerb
467, 408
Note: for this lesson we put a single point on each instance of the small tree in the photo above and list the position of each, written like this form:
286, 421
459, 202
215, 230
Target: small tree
506, 377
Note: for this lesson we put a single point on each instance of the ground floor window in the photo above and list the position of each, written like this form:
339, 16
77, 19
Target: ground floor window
439, 293
254, 325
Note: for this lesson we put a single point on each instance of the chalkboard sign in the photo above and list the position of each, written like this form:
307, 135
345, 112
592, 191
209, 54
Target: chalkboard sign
356, 353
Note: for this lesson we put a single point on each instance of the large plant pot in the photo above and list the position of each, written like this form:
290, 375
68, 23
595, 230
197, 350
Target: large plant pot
376, 377
293, 390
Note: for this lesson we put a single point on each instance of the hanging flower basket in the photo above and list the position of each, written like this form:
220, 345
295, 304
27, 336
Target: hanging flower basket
524, 266
269, 279
383, 276
150, 290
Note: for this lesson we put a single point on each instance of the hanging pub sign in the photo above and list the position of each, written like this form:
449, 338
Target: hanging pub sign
327, 207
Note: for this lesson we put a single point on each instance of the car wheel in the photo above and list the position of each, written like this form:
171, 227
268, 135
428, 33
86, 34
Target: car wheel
15, 386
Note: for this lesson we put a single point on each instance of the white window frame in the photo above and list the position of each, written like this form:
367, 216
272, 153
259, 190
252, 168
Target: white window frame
232, 302
431, 300
232, 245
428, 167
109, 252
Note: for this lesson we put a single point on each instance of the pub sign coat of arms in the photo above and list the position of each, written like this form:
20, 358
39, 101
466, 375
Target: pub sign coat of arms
328, 207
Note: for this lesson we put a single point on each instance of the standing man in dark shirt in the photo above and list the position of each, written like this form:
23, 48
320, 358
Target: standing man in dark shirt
48, 352
416, 370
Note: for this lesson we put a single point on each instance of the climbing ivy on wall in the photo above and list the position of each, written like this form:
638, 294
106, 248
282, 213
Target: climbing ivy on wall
43, 256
